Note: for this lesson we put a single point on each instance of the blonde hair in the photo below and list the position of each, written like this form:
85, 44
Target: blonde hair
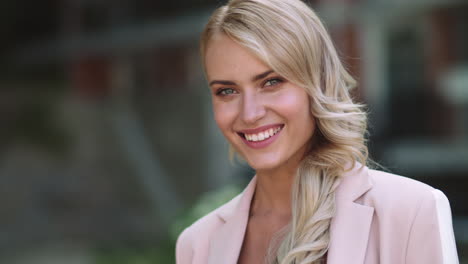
289, 37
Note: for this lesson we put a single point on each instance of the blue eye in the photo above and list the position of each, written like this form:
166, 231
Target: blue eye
272, 82
225, 91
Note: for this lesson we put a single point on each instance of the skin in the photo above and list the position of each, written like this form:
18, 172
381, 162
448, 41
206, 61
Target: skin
239, 103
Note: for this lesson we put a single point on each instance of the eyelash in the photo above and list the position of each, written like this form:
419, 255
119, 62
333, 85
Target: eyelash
278, 81
221, 91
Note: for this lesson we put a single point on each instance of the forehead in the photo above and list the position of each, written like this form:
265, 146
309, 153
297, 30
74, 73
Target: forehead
226, 59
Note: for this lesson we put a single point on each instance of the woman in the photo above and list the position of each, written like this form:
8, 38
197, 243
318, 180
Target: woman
281, 98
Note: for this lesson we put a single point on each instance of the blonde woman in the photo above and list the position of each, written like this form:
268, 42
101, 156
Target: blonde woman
281, 98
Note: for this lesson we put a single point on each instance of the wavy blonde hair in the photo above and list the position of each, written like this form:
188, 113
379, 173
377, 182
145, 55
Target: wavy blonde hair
289, 37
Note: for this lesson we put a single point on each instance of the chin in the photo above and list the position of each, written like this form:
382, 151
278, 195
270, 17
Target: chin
264, 164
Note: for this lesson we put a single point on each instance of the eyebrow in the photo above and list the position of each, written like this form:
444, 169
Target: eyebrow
254, 79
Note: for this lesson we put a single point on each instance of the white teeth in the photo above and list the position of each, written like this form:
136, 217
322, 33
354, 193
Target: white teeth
262, 135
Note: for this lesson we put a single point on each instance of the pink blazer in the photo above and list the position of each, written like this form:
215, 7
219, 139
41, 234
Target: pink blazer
380, 218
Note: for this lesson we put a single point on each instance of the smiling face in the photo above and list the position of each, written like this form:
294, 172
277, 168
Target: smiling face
265, 117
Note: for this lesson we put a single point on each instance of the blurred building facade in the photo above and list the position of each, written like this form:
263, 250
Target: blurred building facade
110, 131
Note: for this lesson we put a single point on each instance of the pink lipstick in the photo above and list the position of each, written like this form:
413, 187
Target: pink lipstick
262, 136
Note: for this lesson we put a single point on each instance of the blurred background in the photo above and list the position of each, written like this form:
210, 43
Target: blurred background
108, 147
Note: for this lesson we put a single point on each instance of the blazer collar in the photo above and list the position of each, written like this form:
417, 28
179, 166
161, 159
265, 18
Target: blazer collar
226, 244
349, 230
350, 227
240, 204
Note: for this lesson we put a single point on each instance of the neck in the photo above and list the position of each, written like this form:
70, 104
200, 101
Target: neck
272, 195
273, 192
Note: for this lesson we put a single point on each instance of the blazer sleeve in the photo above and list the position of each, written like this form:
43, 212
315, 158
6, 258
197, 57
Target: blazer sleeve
431, 239
184, 249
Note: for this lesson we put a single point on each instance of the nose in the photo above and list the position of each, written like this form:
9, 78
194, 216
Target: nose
253, 108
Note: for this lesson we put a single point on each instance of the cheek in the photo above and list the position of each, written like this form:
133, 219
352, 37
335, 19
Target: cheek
224, 115
295, 105
295, 108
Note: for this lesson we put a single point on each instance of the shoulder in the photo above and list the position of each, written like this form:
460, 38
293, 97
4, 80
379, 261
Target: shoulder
391, 188
420, 212
399, 200
395, 188
406, 193
197, 236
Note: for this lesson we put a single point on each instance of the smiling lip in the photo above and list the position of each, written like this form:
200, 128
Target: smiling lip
259, 129
262, 143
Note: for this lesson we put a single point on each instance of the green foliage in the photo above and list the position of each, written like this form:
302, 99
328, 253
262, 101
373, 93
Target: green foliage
164, 252
207, 203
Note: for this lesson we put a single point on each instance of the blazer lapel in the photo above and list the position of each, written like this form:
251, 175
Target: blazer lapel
227, 242
349, 231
